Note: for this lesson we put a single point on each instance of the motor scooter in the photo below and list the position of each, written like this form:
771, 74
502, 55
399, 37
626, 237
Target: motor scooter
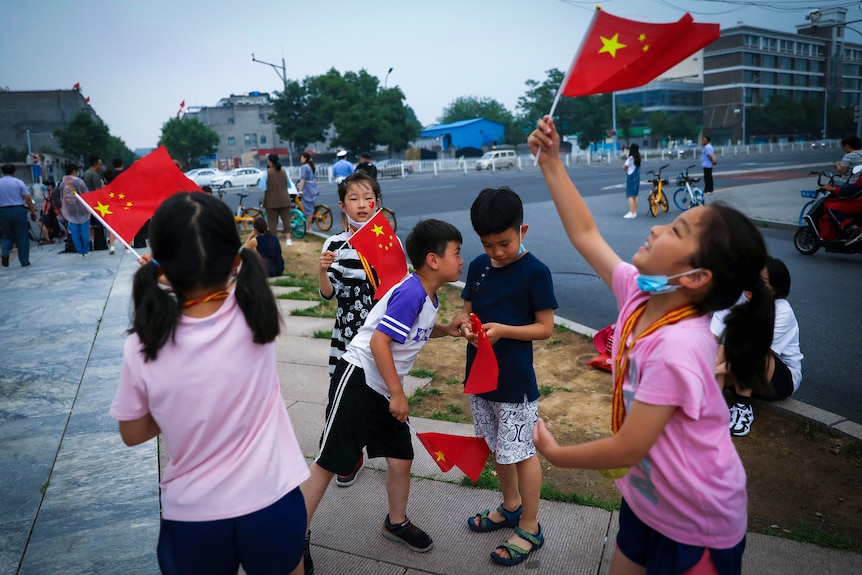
819, 228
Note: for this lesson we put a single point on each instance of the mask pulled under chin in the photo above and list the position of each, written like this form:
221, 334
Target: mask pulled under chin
660, 283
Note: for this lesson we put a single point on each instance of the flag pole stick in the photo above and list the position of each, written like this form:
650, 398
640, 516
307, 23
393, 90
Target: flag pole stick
569, 73
107, 227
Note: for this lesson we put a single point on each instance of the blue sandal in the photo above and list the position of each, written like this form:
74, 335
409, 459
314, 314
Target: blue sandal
518, 555
485, 524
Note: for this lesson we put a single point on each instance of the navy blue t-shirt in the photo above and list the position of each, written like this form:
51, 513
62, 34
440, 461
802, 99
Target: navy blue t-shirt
270, 250
510, 295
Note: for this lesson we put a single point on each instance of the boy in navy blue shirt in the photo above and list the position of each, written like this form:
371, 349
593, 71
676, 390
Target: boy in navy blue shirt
511, 292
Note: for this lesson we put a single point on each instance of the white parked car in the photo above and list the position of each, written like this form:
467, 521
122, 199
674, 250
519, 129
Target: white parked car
203, 176
237, 177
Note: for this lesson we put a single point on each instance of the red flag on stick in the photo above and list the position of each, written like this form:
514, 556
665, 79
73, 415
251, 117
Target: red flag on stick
378, 244
468, 454
132, 197
618, 54
182, 105
484, 371
77, 86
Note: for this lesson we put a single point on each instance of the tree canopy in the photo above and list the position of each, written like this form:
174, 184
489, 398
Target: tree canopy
188, 139
361, 114
86, 136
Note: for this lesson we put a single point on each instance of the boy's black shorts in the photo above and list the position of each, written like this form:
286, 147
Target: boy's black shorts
357, 417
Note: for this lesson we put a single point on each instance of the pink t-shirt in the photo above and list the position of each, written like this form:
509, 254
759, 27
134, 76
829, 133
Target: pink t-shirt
691, 485
216, 397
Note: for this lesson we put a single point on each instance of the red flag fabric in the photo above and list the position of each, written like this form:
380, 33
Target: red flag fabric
77, 86
484, 371
132, 197
618, 54
469, 454
378, 244
87, 100
182, 105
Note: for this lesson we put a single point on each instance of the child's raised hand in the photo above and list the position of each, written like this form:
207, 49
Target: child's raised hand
543, 439
546, 139
326, 260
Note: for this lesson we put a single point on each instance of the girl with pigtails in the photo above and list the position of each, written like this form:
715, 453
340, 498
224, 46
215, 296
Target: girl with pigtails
199, 370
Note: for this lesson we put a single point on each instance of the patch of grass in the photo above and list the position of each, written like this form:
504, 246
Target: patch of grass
810, 534
854, 450
808, 431
553, 341
560, 328
422, 372
422, 392
316, 311
551, 493
453, 381
307, 291
323, 334
487, 480
447, 416
454, 409
546, 390
44, 487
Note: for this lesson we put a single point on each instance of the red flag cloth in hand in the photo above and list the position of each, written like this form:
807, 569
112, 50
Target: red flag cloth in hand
377, 243
484, 371
618, 54
132, 197
469, 454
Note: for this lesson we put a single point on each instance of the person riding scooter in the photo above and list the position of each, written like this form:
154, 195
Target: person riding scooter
843, 209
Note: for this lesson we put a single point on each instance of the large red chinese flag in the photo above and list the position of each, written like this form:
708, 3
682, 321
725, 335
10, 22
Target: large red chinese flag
618, 54
378, 244
132, 197
469, 454
484, 371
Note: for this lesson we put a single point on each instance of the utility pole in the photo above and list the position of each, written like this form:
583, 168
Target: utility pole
282, 73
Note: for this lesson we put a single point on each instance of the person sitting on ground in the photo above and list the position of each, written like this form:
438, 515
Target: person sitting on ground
783, 363
267, 246
852, 147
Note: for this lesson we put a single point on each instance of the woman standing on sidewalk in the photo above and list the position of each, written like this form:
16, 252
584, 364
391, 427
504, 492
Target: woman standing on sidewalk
633, 180
199, 369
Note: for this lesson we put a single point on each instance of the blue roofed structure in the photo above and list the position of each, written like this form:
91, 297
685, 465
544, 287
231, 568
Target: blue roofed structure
476, 133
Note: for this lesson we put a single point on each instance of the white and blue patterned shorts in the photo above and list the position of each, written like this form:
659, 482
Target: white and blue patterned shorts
506, 427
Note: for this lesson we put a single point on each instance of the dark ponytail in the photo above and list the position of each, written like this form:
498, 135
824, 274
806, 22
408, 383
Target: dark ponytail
634, 152
732, 248
276, 163
309, 161
255, 298
157, 312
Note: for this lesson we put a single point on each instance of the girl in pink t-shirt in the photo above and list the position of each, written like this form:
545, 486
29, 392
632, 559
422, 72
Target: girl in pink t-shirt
199, 369
683, 485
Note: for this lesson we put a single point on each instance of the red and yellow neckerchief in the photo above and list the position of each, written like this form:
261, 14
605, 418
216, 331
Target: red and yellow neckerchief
369, 271
215, 296
621, 361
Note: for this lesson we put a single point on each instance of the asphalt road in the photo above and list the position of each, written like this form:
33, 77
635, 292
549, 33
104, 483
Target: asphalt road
824, 287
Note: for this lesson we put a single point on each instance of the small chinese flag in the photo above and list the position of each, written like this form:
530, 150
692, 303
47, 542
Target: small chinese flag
468, 454
618, 54
87, 100
378, 244
484, 371
77, 86
132, 197
182, 105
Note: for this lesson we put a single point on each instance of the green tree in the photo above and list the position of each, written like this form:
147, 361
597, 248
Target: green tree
470, 107
625, 116
187, 139
83, 135
117, 148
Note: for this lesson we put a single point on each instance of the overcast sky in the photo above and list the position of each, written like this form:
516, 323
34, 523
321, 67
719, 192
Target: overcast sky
137, 60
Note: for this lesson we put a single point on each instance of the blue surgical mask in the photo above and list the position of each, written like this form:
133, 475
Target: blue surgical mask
521, 249
660, 284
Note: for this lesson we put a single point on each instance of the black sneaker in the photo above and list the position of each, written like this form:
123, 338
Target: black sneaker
408, 534
348, 480
307, 563
5, 261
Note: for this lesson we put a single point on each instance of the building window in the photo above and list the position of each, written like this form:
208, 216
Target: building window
230, 121
750, 59
816, 66
231, 141
263, 139
768, 61
261, 118
785, 63
800, 65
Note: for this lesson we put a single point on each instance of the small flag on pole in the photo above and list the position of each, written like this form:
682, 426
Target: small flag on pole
133, 197
182, 105
468, 454
484, 371
87, 99
377, 243
618, 54
77, 86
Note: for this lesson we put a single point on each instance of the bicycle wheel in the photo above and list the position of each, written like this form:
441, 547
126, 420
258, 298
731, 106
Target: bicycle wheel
653, 205
322, 218
682, 200
246, 221
297, 223
662, 202
699, 199
390, 217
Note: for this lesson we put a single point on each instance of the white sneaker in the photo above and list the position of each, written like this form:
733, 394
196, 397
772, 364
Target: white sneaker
744, 419
111, 250
288, 242
630, 216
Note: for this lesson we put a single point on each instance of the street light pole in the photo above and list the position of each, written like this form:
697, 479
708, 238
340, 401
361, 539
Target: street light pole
282, 73
386, 79
743, 115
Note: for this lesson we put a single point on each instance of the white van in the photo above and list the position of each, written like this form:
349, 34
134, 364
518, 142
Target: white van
496, 159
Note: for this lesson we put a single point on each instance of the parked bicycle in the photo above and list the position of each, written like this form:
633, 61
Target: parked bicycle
685, 196
244, 217
657, 198
321, 217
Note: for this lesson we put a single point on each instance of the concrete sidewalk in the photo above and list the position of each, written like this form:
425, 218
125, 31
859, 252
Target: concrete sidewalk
74, 499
